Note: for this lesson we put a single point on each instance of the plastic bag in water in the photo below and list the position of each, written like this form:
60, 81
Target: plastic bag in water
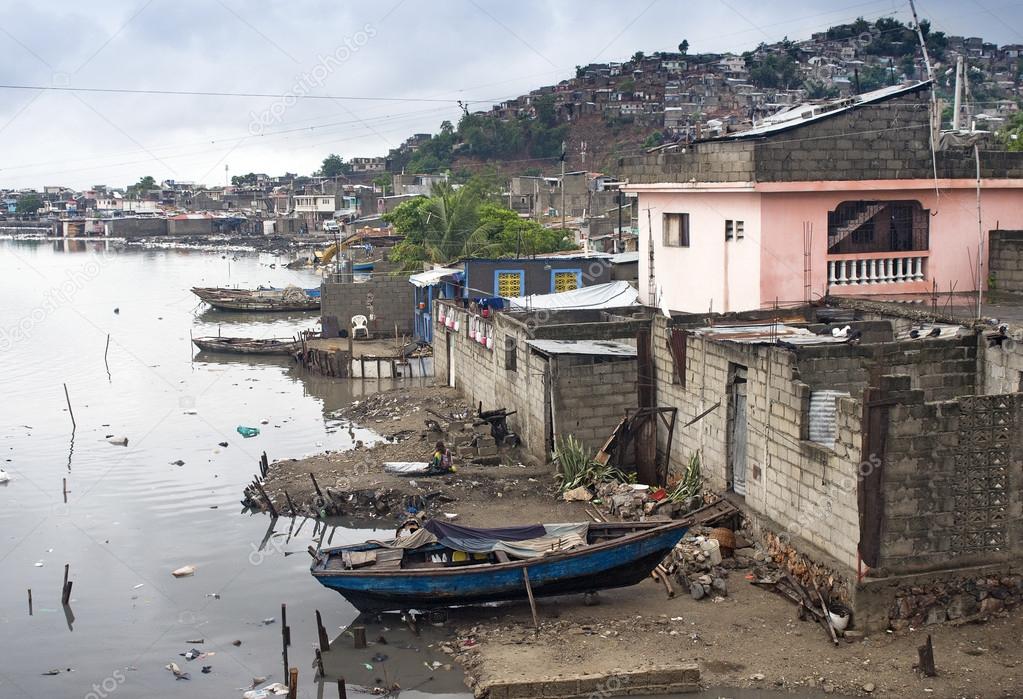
247, 431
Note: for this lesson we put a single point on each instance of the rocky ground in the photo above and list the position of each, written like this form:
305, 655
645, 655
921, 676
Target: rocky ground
745, 637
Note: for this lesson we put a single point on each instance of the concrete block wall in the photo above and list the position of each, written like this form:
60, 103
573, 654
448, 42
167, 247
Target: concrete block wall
387, 297
591, 397
1005, 261
1001, 366
952, 483
807, 490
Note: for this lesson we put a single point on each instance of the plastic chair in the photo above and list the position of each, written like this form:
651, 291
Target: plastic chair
360, 326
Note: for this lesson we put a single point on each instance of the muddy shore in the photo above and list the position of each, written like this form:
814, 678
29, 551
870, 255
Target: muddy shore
749, 638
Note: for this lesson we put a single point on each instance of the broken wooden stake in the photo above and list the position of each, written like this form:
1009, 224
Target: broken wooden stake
318, 662
321, 633
291, 504
74, 424
532, 602
293, 683
264, 464
285, 641
359, 636
65, 490
269, 502
30, 601
317, 487
342, 690
65, 589
926, 653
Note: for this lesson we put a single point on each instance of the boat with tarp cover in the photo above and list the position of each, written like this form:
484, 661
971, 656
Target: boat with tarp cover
443, 564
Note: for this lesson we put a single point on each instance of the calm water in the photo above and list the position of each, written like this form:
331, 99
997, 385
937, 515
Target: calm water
132, 516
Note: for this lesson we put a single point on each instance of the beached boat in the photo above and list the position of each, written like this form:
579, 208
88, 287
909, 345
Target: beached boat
444, 564
291, 298
248, 345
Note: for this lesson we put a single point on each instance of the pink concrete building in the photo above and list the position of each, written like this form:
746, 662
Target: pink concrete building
837, 199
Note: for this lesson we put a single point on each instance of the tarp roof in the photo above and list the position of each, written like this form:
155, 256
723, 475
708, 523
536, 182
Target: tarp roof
432, 276
611, 295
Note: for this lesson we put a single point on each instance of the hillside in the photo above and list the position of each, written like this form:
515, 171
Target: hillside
609, 109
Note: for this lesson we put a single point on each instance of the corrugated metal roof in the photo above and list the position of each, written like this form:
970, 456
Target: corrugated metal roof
925, 331
808, 113
823, 427
767, 334
596, 348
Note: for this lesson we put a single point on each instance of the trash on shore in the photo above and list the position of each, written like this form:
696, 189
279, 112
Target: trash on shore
4, 476
247, 431
183, 571
271, 690
178, 673
118, 441
579, 494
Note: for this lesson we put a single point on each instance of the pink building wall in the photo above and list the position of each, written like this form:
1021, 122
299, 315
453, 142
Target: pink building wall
712, 272
953, 231
768, 264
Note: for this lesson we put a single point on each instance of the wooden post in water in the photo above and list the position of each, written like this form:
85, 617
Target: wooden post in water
65, 490
30, 601
285, 641
67, 397
292, 683
342, 690
359, 636
65, 590
926, 653
321, 633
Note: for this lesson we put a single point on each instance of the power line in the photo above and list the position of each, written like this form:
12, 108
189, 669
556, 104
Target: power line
209, 93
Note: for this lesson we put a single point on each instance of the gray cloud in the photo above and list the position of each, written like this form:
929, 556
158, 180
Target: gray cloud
474, 50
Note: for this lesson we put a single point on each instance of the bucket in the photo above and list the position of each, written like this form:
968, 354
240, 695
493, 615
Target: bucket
711, 548
840, 616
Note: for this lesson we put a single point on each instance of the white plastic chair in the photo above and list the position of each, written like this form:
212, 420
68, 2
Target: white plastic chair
360, 324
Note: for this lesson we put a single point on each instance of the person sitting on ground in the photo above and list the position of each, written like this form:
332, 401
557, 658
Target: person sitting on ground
441, 462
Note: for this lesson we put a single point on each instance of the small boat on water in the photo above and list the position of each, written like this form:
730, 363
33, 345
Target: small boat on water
248, 345
444, 564
291, 298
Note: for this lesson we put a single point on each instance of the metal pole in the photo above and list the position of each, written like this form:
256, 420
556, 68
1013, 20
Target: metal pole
562, 186
620, 197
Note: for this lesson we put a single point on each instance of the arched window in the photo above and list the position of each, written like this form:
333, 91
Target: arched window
878, 226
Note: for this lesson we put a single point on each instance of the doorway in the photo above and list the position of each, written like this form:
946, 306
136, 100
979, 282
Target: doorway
449, 344
737, 430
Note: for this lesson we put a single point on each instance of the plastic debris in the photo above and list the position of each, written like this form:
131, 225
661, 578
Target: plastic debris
178, 673
184, 571
271, 690
118, 441
247, 431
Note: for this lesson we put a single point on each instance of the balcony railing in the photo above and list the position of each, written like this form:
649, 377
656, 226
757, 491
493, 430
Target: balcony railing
877, 268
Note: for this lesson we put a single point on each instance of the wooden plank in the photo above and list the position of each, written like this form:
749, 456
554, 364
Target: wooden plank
532, 602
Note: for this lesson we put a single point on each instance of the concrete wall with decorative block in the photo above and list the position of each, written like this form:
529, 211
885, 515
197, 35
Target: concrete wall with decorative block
807, 490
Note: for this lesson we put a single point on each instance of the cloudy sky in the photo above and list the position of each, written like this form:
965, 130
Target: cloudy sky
408, 62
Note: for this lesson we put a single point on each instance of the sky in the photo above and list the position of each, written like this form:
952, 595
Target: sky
353, 78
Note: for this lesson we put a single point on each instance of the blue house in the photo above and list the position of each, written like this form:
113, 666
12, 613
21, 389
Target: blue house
439, 283
524, 276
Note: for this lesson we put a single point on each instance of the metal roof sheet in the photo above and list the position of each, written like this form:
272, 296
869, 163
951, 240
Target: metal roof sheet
595, 348
767, 334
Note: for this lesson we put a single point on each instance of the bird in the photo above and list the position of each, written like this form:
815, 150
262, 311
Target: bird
935, 331
841, 332
914, 333
117, 310
854, 337
4, 477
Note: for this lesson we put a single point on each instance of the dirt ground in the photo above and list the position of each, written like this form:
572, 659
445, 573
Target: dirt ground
751, 638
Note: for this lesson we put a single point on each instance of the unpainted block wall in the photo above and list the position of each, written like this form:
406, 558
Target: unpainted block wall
952, 483
806, 489
481, 375
388, 297
591, 397
1002, 366
1005, 261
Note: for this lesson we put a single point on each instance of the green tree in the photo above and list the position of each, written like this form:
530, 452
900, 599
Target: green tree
28, 204
241, 180
462, 222
383, 182
1010, 136
637, 57
816, 89
137, 190
683, 48
334, 165
653, 140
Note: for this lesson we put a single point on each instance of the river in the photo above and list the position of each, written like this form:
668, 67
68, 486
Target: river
133, 514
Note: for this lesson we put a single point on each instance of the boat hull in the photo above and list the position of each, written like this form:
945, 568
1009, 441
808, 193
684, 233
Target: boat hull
244, 346
612, 564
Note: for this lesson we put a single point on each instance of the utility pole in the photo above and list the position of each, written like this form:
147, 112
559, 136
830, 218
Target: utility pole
620, 197
563, 152
958, 102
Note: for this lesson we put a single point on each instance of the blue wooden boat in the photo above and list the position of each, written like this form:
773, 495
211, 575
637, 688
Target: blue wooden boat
362, 266
463, 569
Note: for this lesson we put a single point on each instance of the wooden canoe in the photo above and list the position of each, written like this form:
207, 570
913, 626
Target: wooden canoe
248, 345
614, 555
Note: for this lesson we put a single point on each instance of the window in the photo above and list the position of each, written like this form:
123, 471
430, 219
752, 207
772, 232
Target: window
878, 226
729, 229
740, 230
676, 230
509, 283
510, 354
565, 279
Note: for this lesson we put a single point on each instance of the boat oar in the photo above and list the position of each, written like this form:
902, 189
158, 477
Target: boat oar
532, 602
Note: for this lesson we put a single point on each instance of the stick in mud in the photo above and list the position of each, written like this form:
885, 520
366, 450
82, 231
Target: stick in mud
65, 490
269, 502
342, 690
532, 602
291, 504
30, 601
293, 683
359, 636
107, 349
63, 587
321, 633
285, 640
74, 424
